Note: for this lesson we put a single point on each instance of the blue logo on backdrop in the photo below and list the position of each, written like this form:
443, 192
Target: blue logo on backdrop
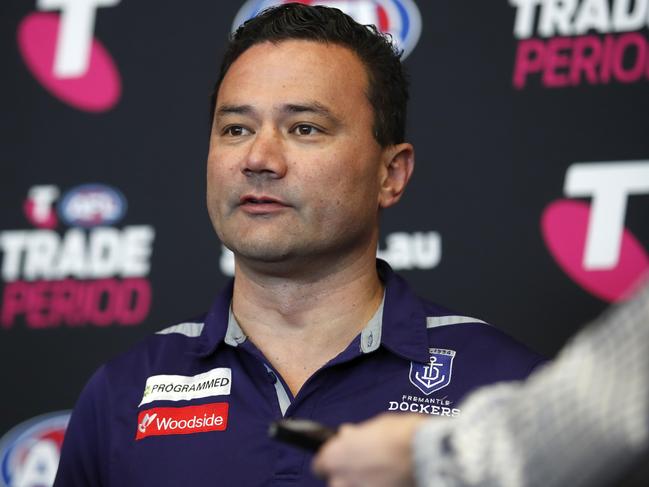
29, 453
399, 18
434, 375
92, 205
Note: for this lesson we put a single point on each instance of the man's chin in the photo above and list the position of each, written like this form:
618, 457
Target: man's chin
277, 261
263, 253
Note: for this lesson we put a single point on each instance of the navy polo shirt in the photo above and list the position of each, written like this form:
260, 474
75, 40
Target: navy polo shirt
192, 404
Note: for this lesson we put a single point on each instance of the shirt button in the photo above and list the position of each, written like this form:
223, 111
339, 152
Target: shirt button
272, 377
370, 340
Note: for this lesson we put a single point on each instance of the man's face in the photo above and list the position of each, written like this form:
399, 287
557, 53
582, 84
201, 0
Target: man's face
294, 171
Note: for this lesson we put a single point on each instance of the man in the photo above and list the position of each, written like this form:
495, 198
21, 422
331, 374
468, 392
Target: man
307, 147
582, 420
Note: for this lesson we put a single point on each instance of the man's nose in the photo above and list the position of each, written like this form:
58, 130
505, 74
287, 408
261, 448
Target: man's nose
266, 156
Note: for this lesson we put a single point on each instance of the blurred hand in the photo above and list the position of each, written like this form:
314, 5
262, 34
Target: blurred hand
375, 453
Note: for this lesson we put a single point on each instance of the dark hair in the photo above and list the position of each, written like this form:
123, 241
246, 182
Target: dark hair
387, 90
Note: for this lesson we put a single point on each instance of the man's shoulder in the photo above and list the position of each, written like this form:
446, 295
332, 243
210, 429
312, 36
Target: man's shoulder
469, 334
164, 349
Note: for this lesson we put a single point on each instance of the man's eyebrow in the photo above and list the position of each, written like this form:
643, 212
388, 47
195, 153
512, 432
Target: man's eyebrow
311, 107
288, 108
234, 110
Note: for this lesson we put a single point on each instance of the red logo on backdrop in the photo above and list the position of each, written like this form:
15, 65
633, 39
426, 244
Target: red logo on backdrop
61, 52
400, 18
30, 452
564, 44
589, 241
182, 420
92, 273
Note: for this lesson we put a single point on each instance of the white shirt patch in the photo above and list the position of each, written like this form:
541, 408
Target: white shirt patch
215, 382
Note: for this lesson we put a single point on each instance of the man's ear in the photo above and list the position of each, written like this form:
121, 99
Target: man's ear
399, 162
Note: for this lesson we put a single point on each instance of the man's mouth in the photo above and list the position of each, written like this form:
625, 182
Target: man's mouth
261, 204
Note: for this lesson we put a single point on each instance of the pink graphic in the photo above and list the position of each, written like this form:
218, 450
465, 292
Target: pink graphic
560, 62
49, 221
564, 225
97, 90
69, 302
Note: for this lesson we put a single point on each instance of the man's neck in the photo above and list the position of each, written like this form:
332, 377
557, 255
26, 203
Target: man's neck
302, 323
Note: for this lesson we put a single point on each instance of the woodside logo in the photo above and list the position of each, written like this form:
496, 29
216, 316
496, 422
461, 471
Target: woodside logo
183, 420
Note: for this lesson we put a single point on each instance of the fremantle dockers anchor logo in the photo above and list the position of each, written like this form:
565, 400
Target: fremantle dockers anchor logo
435, 375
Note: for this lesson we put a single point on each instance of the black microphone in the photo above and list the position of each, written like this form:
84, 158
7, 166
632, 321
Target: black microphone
302, 433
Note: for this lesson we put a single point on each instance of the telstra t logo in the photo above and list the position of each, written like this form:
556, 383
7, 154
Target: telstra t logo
61, 52
589, 241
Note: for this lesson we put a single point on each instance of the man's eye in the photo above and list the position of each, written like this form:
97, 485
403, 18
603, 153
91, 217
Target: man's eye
305, 129
235, 131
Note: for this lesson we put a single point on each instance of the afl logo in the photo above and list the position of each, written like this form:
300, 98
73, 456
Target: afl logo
399, 18
92, 205
30, 452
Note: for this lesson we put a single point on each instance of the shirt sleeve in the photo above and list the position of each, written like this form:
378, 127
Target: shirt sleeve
581, 420
85, 450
